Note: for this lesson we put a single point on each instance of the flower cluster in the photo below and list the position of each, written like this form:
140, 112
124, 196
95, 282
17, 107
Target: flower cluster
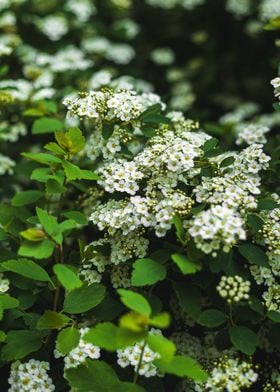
4, 284
30, 376
229, 374
6, 165
168, 4
218, 227
251, 134
79, 354
130, 356
276, 84
107, 104
234, 288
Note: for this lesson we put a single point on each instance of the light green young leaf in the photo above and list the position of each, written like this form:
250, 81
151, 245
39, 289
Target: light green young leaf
67, 277
135, 301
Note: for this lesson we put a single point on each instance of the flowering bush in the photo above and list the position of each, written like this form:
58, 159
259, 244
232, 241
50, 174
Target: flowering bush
139, 235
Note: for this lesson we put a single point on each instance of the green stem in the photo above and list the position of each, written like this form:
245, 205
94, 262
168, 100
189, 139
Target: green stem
135, 378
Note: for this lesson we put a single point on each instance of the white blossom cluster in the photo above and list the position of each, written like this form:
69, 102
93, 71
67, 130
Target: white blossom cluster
269, 9
269, 275
69, 58
79, 354
149, 181
30, 376
239, 8
163, 56
168, 4
229, 375
4, 284
6, 165
121, 249
276, 84
53, 26
234, 288
217, 227
118, 53
11, 133
124, 105
243, 111
130, 356
251, 134
23, 90
82, 10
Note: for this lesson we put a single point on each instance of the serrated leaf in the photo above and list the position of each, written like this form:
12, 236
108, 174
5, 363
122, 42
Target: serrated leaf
67, 277
52, 320
45, 159
67, 339
37, 250
71, 141
83, 299
95, 376
26, 197
158, 343
27, 268
46, 125
186, 266
182, 366
135, 301
19, 344
212, 318
244, 339
147, 272
254, 254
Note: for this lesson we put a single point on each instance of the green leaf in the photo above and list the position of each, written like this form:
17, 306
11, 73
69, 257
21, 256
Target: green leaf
71, 141
93, 376
212, 318
255, 222
73, 172
45, 159
161, 320
135, 301
210, 144
8, 302
46, 125
107, 130
147, 272
148, 131
103, 335
52, 320
33, 234
67, 277
227, 162
50, 225
111, 337
19, 344
83, 299
67, 339
274, 316
161, 345
26, 197
37, 250
54, 187
189, 298
2, 336
156, 119
77, 216
54, 147
244, 339
254, 254
183, 366
27, 268
186, 266
267, 204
